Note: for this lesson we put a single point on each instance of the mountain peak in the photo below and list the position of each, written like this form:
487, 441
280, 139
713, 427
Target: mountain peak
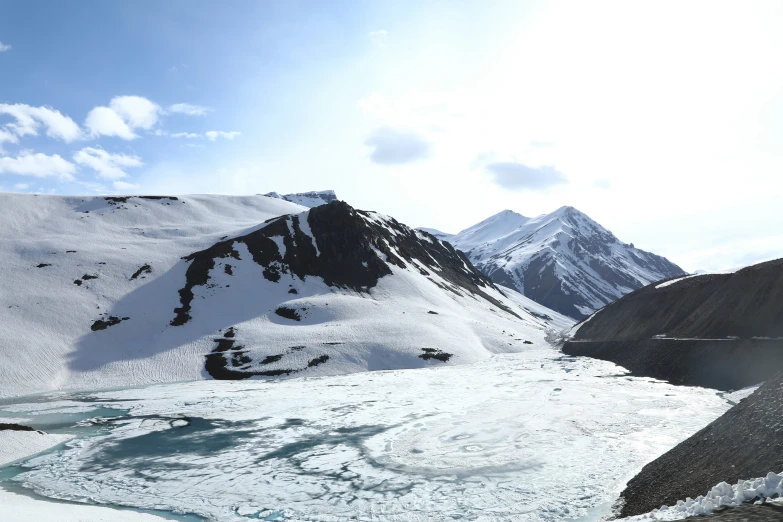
307, 199
563, 260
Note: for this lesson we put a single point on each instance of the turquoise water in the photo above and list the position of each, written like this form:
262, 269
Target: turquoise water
75, 423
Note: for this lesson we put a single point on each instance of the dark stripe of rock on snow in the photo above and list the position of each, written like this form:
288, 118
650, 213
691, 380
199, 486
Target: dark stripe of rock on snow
728, 329
347, 240
744, 443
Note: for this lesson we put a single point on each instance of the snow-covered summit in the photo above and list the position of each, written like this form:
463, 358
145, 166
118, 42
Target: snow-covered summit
563, 260
307, 199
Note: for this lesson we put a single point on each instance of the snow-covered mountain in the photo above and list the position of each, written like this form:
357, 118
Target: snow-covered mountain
307, 199
563, 260
101, 292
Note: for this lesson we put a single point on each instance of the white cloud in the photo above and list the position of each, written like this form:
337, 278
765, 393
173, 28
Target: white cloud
22, 186
379, 37
7, 136
122, 116
124, 185
214, 135
102, 121
190, 110
4, 47
37, 165
105, 164
137, 112
29, 119
186, 135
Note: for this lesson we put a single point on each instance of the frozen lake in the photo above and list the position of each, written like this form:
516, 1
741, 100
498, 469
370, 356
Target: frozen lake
529, 436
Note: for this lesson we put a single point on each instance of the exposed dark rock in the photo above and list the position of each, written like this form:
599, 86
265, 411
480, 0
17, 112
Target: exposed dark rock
223, 345
228, 269
102, 324
230, 332
70, 251
144, 269
87, 277
744, 443
269, 359
527, 342
293, 291
15, 427
288, 313
718, 330
42, 265
433, 313
116, 200
318, 360
432, 353
78, 282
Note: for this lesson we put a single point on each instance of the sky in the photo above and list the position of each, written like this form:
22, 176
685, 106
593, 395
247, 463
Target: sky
661, 120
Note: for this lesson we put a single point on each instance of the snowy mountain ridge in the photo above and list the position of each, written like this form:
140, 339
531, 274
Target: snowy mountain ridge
563, 260
307, 199
122, 290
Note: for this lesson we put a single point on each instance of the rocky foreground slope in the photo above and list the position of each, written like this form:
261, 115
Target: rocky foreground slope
744, 443
563, 260
114, 291
717, 330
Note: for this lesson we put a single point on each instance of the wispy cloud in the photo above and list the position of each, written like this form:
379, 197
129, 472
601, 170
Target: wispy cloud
28, 120
4, 47
190, 110
124, 185
513, 175
396, 146
109, 166
187, 135
214, 135
37, 165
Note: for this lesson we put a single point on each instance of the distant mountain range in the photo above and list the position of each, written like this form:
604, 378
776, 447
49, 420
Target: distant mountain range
563, 260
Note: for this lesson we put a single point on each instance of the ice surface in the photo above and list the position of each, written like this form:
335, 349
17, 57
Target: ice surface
526, 436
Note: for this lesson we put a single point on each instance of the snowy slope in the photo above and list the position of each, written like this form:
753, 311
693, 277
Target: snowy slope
563, 260
96, 293
307, 199
443, 236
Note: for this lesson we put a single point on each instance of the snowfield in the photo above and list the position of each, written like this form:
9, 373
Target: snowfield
92, 285
526, 436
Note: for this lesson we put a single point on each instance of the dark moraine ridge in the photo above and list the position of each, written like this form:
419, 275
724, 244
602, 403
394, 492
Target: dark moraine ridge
348, 243
744, 443
722, 331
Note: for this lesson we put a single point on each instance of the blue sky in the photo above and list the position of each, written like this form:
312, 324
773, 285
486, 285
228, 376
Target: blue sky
661, 120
